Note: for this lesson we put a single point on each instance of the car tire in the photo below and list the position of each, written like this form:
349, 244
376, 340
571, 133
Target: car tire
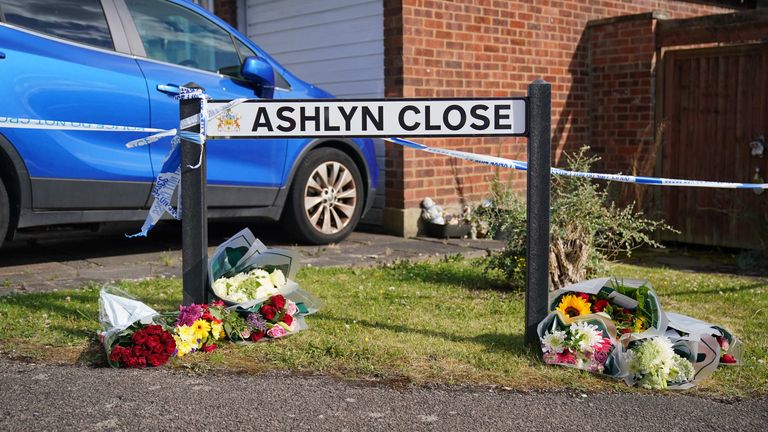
5, 212
326, 198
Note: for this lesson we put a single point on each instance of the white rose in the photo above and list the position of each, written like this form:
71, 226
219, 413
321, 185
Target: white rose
278, 278
259, 273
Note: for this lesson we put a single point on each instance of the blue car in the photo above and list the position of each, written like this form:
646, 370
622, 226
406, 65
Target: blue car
115, 62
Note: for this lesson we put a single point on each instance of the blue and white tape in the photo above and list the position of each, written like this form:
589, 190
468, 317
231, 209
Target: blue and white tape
523, 166
170, 175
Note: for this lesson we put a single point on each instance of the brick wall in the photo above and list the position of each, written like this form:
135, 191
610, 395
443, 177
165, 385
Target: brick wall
477, 48
621, 114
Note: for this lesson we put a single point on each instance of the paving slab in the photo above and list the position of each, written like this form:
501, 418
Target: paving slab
48, 262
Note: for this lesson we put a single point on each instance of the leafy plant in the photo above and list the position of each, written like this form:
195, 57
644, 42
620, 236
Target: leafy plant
587, 229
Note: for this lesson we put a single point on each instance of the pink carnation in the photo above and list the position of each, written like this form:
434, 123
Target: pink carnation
276, 332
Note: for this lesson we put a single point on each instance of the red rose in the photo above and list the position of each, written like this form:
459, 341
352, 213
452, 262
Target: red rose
139, 351
583, 296
219, 303
287, 319
278, 301
626, 330
139, 337
268, 312
152, 330
117, 354
209, 348
727, 359
257, 336
154, 345
600, 305
204, 307
157, 359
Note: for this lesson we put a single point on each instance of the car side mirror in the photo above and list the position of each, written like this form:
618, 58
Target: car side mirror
260, 73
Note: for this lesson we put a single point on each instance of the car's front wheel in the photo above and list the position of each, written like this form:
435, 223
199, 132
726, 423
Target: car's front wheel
326, 197
5, 212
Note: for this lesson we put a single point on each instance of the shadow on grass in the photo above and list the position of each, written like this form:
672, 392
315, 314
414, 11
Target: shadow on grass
734, 289
475, 276
495, 342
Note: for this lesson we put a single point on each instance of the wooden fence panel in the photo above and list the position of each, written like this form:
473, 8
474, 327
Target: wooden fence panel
715, 103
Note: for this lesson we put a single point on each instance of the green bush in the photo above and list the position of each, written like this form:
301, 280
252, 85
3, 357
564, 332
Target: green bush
587, 229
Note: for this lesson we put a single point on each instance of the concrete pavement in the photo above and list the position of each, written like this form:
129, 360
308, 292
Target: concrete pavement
63, 398
71, 261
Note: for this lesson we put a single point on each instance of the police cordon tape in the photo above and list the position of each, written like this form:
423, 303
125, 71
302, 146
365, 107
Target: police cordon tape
170, 173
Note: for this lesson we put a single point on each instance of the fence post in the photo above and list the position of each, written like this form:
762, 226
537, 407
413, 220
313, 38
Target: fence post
194, 219
537, 208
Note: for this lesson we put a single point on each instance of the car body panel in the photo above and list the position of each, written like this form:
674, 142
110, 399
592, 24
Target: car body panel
83, 177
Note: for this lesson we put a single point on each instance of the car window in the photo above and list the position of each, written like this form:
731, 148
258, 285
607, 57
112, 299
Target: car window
80, 21
177, 35
245, 52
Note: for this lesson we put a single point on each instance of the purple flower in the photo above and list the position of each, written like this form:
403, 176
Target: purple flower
189, 314
257, 322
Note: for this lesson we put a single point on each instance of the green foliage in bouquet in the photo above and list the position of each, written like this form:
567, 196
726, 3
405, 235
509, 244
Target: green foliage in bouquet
587, 228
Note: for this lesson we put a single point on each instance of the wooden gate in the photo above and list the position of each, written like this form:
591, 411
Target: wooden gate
715, 103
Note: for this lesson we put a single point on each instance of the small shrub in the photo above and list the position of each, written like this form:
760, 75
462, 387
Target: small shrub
586, 229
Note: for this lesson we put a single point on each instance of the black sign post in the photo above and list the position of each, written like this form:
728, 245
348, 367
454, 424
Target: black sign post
529, 117
537, 206
194, 221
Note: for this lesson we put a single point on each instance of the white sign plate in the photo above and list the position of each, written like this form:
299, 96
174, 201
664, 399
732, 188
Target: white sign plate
370, 118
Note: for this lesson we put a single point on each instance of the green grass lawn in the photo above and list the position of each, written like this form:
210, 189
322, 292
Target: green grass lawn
448, 322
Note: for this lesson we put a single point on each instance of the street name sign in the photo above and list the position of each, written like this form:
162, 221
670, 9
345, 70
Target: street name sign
380, 118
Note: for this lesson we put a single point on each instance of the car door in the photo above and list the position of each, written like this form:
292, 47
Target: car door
179, 45
60, 63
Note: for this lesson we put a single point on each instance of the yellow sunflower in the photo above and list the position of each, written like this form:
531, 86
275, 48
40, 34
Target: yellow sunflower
572, 306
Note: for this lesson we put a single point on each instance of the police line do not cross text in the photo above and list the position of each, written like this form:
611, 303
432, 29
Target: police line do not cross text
370, 118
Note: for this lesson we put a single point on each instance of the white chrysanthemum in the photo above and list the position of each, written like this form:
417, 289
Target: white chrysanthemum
265, 291
586, 335
681, 371
554, 341
652, 363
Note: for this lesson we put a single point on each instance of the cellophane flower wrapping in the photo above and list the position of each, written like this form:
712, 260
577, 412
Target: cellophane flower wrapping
631, 304
651, 348
664, 362
583, 343
244, 272
258, 283
130, 334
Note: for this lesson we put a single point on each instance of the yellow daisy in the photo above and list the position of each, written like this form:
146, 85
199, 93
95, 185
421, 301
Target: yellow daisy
572, 306
201, 328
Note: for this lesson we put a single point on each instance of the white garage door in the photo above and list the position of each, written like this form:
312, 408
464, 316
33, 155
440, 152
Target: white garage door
337, 45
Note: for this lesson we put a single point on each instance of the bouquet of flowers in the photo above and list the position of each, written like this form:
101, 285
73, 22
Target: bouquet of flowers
244, 272
654, 363
198, 327
140, 345
254, 284
731, 350
632, 305
618, 328
583, 344
274, 318
130, 336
